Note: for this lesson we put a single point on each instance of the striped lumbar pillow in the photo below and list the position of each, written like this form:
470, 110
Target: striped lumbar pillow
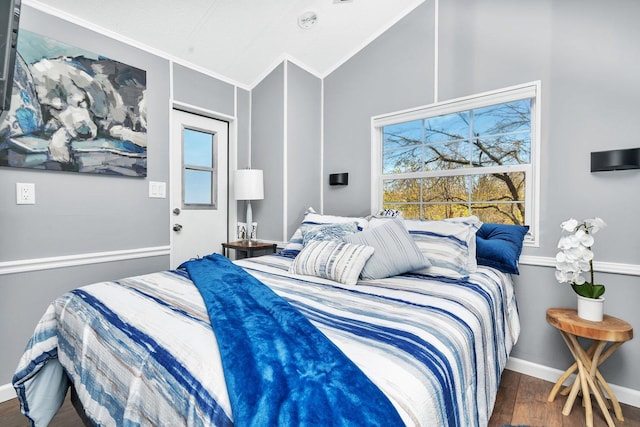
331, 259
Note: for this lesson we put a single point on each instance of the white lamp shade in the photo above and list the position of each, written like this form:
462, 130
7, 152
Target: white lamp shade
249, 184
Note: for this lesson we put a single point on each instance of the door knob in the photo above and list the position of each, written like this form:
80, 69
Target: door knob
177, 227
176, 211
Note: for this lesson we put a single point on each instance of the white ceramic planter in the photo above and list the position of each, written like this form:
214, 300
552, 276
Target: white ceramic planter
591, 309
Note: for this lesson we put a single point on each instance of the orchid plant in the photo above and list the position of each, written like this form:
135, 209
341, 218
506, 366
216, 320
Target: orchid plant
576, 257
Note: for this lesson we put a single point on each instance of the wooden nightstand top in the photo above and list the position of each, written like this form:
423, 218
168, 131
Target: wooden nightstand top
246, 244
610, 329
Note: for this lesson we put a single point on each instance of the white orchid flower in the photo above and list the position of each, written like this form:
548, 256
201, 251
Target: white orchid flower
569, 225
578, 279
586, 240
561, 277
595, 224
587, 255
564, 243
574, 261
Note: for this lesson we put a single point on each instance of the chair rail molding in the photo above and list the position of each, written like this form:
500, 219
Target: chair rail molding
600, 266
36, 264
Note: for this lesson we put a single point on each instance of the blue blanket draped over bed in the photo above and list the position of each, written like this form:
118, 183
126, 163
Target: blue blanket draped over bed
279, 368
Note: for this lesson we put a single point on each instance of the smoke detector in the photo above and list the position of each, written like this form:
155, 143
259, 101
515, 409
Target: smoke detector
307, 20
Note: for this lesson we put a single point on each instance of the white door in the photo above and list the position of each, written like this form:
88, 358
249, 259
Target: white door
199, 211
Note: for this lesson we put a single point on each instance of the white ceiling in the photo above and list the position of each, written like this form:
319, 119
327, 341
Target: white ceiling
238, 40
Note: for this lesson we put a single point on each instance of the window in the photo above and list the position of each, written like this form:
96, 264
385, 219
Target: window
199, 173
471, 156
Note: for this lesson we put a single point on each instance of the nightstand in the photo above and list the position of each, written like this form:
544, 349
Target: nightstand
249, 248
606, 337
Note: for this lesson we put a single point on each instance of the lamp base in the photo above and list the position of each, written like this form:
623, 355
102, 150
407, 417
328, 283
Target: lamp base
249, 218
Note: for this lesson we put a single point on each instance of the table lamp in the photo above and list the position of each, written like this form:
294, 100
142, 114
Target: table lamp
249, 186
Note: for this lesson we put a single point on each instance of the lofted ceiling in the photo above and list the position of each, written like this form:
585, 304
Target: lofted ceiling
238, 40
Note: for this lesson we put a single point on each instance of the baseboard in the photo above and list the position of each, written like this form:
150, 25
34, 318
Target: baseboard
7, 392
624, 394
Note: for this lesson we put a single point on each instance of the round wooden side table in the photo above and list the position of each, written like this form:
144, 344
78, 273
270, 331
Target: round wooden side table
606, 337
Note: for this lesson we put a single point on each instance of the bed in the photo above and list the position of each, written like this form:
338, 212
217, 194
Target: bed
142, 351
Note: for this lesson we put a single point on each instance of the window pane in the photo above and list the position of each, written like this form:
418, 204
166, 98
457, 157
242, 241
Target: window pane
444, 210
402, 151
499, 213
449, 155
197, 187
502, 150
402, 160
445, 189
499, 187
503, 118
402, 134
198, 148
401, 190
448, 127
499, 197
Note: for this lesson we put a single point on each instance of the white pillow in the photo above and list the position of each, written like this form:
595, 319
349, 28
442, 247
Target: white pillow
331, 259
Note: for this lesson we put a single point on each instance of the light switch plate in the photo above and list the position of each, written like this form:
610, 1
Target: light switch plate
25, 193
157, 190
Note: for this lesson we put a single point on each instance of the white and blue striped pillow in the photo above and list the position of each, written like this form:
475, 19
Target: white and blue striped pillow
295, 244
395, 250
331, 259
326, 231
448, 245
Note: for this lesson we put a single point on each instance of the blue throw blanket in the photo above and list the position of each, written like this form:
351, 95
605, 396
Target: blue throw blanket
279, 368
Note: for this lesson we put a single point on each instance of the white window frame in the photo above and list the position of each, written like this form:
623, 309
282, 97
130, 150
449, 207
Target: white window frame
513, 93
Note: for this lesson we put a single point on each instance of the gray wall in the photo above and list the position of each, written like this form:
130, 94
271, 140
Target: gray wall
585, 54
303, 145
202, 91
393, 73
267, 148
78, 214
244, 131
286, 104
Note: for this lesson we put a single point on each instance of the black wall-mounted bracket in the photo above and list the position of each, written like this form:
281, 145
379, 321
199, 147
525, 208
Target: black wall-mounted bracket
613, 160
339, 178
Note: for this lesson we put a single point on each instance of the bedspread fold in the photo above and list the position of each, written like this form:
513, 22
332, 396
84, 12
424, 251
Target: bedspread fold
279, 368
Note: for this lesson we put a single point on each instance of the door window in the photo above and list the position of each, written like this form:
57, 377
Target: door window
198, 170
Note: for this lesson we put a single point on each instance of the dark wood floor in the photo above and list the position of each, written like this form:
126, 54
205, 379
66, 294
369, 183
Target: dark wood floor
522, 400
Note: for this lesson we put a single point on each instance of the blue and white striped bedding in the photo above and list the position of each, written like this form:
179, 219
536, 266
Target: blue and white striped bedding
140, 351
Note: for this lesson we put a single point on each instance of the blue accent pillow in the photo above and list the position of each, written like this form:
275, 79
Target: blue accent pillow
500, 245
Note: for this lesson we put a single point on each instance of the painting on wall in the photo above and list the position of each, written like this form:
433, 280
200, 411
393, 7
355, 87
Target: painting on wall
73, 110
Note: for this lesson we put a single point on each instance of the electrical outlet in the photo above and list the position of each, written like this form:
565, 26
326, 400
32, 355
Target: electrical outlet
25, 193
